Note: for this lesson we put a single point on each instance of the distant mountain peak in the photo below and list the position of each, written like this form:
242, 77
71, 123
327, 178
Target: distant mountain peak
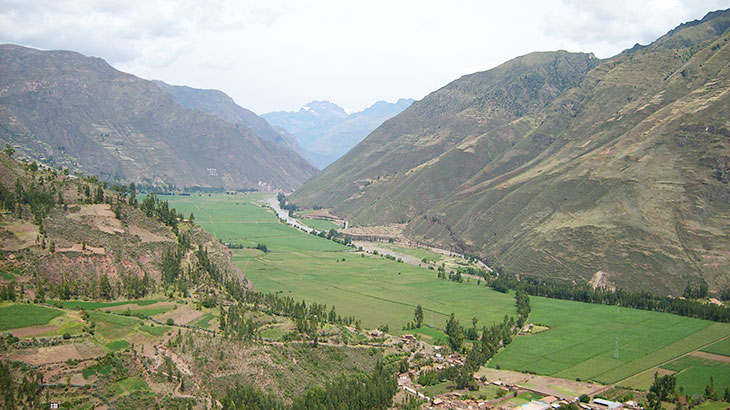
327, 131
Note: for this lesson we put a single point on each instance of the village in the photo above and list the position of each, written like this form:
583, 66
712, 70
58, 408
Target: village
498, 389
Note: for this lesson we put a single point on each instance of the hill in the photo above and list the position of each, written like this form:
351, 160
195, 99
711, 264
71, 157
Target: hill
69, 110
563, 166
326, 131
222, 106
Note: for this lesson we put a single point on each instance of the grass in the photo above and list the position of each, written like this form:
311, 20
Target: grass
18, 316
117, 345
87, 305
374, 289
434, 335
694, 374
204, 321
436, 389
581, 342
713, 405
722, 348
113, 327
127, 386
8, 275
154, 331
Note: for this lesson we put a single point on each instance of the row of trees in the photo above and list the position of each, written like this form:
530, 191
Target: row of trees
585, 293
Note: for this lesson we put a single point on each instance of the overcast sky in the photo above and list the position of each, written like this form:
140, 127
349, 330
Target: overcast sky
274, 55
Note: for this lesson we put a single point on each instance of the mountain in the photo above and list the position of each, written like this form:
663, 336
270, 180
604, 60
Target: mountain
222, 106
326, 131
564, 166
69, 110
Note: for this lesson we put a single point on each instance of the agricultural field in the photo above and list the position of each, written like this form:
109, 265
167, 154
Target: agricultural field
14, 316
693, 373
607, 344
374, 289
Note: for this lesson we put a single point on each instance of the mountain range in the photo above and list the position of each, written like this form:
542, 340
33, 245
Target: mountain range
562, 165
325, 130
69, 110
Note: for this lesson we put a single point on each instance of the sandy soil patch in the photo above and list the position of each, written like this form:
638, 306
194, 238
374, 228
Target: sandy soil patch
24, 235
78, 379
57, 354
33, 330
109, 229
147, 236
181, 315
711, 356
389, 231
78, 247
104, 210
552, 386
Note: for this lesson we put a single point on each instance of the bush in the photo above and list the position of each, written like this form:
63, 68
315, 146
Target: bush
170, 322
584, 398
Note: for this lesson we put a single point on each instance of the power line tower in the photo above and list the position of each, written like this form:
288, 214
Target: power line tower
615, 354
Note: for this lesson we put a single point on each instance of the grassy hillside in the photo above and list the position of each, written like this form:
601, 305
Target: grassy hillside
615, 170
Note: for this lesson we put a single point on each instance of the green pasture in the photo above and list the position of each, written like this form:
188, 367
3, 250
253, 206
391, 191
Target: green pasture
90, 305
583, 340
18, 316
373, 289
722, 348
128, 385
693, 374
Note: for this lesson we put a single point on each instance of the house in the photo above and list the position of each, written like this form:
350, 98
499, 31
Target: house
376, 333
610, 404
534, 405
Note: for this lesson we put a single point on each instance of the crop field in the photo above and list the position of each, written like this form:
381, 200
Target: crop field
603, 343
694, 374
373, 289
722, 348
19, 316
73, 304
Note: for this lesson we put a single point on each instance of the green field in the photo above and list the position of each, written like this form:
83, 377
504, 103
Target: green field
722, 348
117, 345
17, 316
373, 289
128, 385
87, 305
113, 327
583, 339
694, 374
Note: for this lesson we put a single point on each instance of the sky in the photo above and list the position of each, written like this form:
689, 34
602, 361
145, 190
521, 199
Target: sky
273, 55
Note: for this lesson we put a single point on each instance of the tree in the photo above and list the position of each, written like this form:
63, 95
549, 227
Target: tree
132, 195
418, 317
710, 393
9, 151
455, 333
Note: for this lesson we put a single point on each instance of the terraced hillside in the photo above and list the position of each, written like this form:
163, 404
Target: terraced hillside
561, 165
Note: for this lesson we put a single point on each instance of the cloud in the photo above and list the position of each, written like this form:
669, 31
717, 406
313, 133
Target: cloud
279, 54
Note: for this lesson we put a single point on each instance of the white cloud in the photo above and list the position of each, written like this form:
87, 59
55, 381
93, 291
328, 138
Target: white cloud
279, 54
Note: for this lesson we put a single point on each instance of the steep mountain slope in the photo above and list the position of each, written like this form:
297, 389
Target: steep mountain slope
70, 110
618, 173
326, 131
222, 106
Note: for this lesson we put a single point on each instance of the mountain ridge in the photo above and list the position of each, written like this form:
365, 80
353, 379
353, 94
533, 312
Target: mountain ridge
620, 173
78, 112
